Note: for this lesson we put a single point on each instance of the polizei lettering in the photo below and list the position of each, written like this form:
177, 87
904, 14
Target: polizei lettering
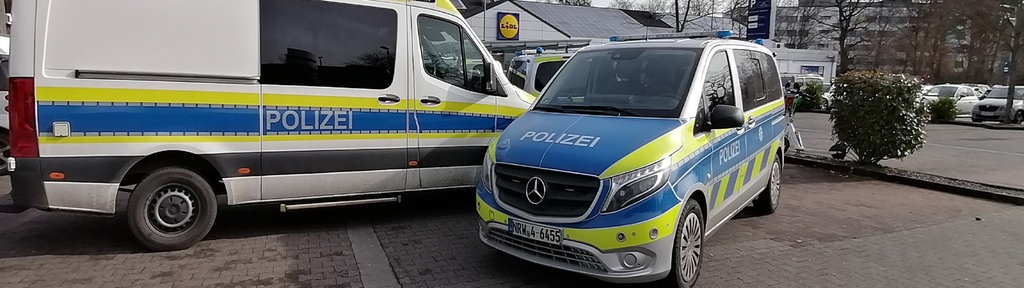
307, 120
561, 138
729, 152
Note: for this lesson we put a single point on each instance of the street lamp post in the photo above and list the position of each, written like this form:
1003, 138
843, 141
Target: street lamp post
1011, 70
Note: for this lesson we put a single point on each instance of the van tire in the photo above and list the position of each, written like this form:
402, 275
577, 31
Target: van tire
171, 209
687, 249
768, 200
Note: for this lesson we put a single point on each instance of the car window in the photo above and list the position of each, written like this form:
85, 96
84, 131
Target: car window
514, 76
772, 82
752, 82
1000, 93
318, 43
545, 71
646, 82
718, 82
942, 91
4, 72
450, 55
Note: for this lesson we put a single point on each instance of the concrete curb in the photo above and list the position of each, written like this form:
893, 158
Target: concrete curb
966, 188
985, 125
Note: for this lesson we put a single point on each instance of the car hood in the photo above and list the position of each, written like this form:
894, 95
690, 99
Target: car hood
998, 102
587, 144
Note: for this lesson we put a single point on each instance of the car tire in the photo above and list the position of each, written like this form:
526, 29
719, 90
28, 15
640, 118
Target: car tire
1019, 118
171, 209
768, 200
687, 249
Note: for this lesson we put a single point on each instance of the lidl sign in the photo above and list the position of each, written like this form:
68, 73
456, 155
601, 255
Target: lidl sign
508, 26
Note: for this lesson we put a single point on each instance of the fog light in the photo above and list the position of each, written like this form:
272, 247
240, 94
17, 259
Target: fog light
492, 215
621, 237
654, 233
629, 260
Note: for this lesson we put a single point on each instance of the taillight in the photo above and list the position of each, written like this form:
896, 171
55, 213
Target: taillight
22, 106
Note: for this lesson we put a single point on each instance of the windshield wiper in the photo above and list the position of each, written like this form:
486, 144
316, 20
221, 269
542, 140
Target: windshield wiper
549, 108
605, 108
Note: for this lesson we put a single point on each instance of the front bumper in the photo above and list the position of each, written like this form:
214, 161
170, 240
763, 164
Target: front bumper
596, 252
998, 116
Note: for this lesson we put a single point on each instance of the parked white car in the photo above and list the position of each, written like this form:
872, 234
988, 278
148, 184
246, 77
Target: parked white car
965, 96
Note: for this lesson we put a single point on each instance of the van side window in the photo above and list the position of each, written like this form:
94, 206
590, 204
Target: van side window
772, 80
515, 76
752, 87
320, 43
450, 55
718, 82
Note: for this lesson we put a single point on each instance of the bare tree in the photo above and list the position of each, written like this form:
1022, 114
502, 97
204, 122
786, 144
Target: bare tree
736, 10
623, 4
658, 7
851, 19
571, 2
688, 11
799, 27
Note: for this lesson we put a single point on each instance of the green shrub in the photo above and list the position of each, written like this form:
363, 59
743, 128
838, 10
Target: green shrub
814, 100
943, 109
878, 116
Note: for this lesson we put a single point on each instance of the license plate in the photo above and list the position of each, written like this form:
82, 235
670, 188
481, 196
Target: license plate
535, 231
988, 113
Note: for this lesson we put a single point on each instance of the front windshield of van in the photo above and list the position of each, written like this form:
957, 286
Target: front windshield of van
1000, 93
641, 82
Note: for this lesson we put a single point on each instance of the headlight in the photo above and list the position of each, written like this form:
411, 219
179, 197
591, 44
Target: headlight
631, 187
486, 175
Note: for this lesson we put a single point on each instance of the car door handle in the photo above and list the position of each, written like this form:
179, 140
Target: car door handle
430, 101
751, 123
389, 99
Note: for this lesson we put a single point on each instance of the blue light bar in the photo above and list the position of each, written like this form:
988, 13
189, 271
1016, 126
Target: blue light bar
614, 38
759, 41
540, 50
724, 34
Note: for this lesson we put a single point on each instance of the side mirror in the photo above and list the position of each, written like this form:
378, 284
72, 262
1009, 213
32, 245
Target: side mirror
494, 85
725, 117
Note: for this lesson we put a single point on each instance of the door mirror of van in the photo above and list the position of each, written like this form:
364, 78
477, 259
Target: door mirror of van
494, 84
725, 117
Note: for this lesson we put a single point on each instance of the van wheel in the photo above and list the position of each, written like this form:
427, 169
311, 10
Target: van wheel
171, 209
1019, 118
768, 201
688, 250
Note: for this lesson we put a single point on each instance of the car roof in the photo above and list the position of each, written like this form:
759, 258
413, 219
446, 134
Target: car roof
678, 43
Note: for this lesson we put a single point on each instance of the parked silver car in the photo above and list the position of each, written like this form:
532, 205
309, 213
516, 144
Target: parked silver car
992, 107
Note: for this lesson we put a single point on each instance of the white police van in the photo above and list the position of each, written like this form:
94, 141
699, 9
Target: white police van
307, 103
532, 71
634, 154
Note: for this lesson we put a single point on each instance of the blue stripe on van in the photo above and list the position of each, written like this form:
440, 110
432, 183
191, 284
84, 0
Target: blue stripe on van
142, 119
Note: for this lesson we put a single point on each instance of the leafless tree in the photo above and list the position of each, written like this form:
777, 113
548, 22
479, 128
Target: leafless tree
572, 2
623, 4
799, 26
851, 18
692, 10
736, 10
654, 6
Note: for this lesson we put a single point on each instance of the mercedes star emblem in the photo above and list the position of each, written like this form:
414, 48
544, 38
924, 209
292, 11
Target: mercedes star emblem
535, 190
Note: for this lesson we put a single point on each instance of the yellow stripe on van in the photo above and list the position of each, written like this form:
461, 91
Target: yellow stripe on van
722, 187
117, 95
492, 147
740, 176
377, 136
143, 139
764, 109
647, 154
758, 162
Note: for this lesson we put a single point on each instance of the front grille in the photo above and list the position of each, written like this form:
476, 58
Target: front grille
988, 108
567, 195
560, 253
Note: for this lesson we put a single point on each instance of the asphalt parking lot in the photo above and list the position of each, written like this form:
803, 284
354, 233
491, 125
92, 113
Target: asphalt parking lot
831, 231
962, 152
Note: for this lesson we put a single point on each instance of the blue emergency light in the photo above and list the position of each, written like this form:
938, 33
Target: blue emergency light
540, 50
724, 34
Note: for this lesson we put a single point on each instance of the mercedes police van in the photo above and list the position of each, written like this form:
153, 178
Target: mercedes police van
306, 103
634, 154
531, 72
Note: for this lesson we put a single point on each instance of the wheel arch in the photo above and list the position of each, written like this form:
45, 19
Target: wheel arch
174, 158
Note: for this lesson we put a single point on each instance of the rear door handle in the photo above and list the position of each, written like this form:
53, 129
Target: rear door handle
389, 99
751, 123
430, 101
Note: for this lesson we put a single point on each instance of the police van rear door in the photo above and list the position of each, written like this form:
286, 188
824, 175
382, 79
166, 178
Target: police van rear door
454, 118
334, 96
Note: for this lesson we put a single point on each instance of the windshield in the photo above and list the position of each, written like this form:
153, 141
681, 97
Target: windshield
1000, 93
636, 81
545, 71
943, 91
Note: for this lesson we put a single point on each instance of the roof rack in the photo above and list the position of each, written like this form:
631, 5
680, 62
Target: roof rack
721, 34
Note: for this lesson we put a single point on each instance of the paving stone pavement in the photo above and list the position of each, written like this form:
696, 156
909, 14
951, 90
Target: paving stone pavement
830, 231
